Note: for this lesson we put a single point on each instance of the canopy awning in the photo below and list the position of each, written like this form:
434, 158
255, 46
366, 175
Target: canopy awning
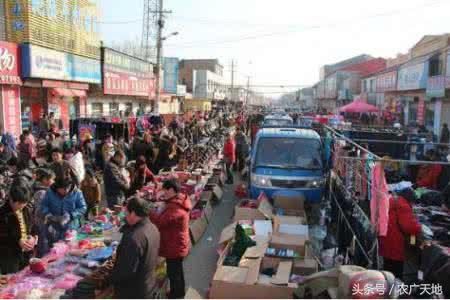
358, 106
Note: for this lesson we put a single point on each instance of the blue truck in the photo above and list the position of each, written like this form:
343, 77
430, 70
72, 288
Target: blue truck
287, 160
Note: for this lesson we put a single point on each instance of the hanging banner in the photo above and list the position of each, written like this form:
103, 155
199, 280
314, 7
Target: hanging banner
171, 69
421, 111
11, 109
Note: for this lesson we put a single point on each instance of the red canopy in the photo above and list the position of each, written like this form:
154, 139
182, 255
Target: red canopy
358, 106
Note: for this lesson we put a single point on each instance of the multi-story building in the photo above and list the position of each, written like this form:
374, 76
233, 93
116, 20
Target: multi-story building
187, 67
208, 85
60, 55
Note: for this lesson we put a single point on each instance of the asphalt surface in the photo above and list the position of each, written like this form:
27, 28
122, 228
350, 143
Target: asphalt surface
200, 265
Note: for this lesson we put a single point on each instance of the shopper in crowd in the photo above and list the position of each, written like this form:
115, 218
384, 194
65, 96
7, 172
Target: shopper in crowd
145, 148
402, 227
18, 235
165, 149
6, 154
62, 168
44, 124
133, 275
24, 153
428, 174
44, 180
31, 140
63, 207
116, 180
92, 192
141, 175
88, 149
108, 148
229, 154
242, 149
172, 220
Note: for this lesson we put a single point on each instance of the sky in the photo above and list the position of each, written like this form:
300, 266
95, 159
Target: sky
281, 44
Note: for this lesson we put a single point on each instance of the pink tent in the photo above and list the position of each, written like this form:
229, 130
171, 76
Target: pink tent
358, 106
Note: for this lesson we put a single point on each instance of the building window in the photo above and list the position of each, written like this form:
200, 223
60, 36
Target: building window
435, 66
97, 109
372, 86
114, 109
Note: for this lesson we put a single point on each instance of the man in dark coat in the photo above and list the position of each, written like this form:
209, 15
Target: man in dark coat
115, 180
18, 235
137, 255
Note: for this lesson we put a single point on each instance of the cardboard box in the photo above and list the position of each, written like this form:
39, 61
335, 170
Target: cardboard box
288, 241
263, 212
291, 206
197, 228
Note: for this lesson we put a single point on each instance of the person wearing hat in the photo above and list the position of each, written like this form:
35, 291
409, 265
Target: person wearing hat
133, 275
63, 207
172, 220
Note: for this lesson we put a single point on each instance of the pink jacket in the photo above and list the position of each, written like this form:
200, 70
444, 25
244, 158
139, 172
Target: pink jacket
379, 202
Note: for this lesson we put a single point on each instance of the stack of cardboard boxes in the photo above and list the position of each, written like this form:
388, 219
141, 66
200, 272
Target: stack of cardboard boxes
280, 259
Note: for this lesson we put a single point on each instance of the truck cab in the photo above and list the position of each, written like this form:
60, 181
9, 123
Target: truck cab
287, 160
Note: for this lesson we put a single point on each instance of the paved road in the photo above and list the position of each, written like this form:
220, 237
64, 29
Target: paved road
200, 265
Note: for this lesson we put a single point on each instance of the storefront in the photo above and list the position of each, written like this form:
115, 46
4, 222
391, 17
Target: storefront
56, 82
411, 84
128, 85
197, 105
10, 83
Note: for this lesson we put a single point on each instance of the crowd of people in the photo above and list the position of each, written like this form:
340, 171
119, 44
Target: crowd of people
62, 182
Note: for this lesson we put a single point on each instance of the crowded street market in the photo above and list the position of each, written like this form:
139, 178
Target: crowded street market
157, 149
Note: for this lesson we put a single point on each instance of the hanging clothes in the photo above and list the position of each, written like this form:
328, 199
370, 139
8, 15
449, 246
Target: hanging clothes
379, 203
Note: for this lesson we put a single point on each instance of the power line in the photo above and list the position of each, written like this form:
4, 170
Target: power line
297, 29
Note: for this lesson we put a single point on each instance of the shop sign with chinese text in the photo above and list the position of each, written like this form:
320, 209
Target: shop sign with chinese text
39, 62
436, 87
9, 63
126, 75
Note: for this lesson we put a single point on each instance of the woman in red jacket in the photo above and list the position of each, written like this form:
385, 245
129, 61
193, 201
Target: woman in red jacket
229, 153
173, 224
402, 225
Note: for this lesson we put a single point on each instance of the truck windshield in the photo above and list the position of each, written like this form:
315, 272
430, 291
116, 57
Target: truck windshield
277, 122
289, 153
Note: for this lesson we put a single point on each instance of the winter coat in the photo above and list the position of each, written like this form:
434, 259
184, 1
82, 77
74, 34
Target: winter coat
136, 260
402, 224
144, 149
229, 151
428, 176
173, 224
10, 233
6, 155
141, 178
39, 192
115, 182
92, 193
24, 154
72, 204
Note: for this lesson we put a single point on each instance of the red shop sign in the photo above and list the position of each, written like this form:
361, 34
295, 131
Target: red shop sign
11, 109
124, 84
9, 63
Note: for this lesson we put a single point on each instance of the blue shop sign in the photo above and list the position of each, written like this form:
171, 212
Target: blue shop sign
39, 62
171, 70
413, 76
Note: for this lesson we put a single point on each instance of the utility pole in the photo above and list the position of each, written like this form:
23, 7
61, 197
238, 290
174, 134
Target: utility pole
158, 57
248, 90
232, 80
